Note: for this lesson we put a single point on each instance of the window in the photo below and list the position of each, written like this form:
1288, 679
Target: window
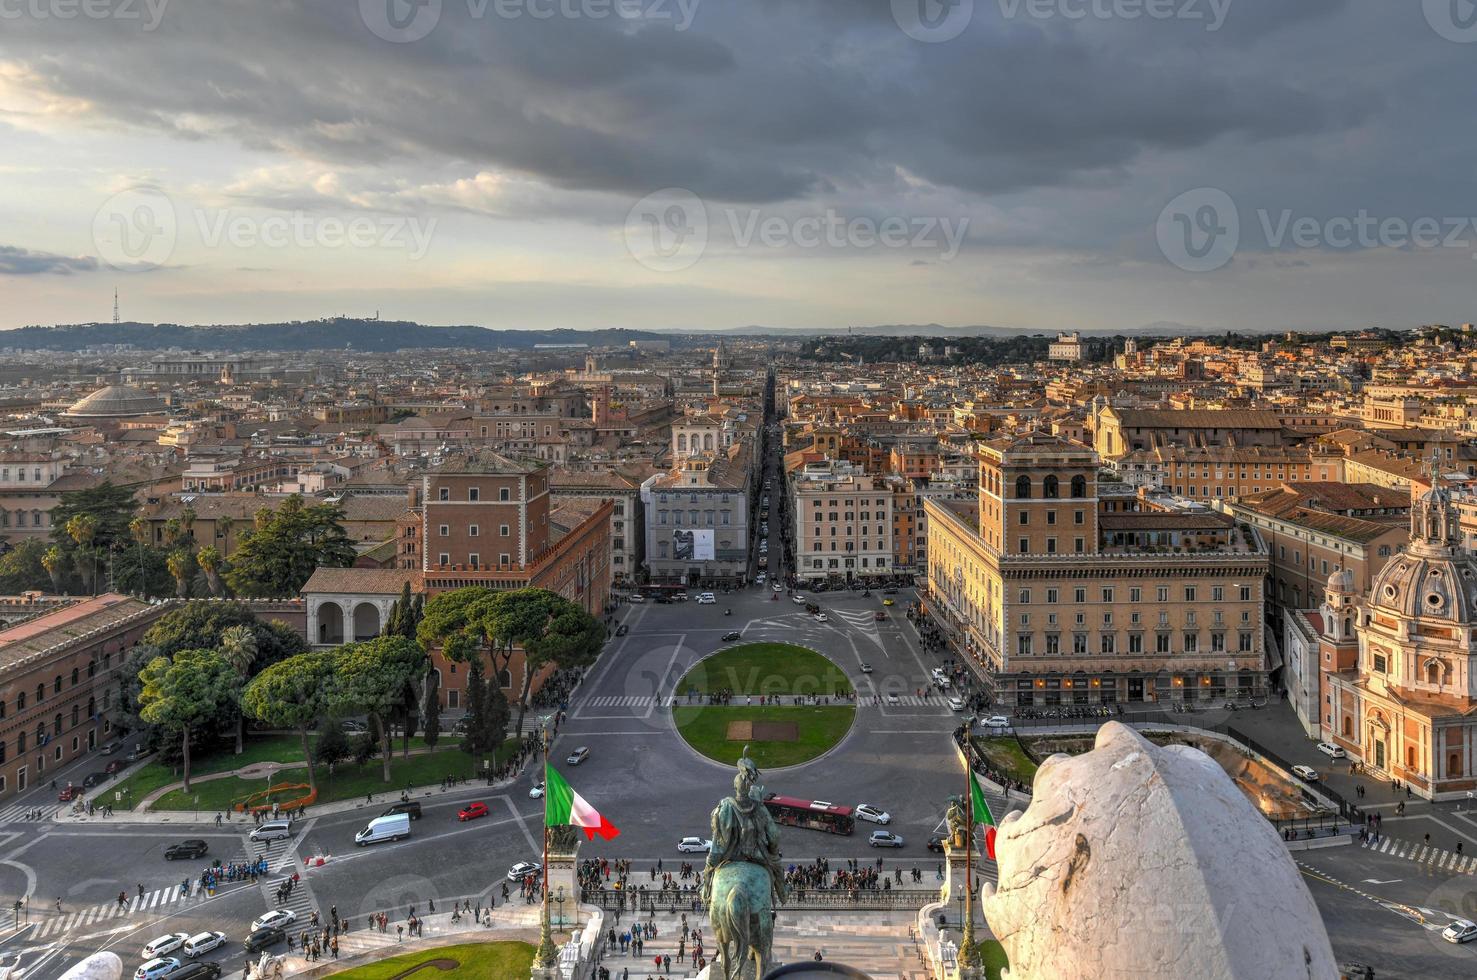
1023, 545
1079, 595
1189, 593
474, 494
56, 685
1243, 642
1135, 643
1135, 594
1023, 487
1108, 643
502, 529
1025, 597
1079, 643
1049, 488
473, 531
1079, 545
1107, 594
1051, 595
444, 493
1023, 645
1192, 642
504, 494
1245, 593
474, 559
1163, 593
502, 559
76, 675
1079, 487
444, 531
1023, 517
1051, 546
1051, 517
1053, 644
1217, 593
445, 559
1161, 643
1381, 665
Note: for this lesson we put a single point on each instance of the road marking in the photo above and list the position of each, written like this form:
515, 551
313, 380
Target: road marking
1386, 881
522, 824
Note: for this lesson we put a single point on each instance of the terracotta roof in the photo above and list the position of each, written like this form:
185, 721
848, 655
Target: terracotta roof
1198, 418
66, 625
358, 581
1165, 521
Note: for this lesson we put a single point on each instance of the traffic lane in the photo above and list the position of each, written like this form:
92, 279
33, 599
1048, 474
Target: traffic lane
89, 867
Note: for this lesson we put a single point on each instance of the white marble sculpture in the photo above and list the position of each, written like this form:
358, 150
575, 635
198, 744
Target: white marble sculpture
98, 966
1146, 862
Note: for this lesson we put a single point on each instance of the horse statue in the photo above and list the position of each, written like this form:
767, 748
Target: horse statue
743, 880
269, 967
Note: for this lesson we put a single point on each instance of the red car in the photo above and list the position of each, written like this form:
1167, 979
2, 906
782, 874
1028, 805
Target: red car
69, 794
114, 767
472, 811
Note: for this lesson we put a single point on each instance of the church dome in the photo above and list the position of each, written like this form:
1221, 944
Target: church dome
116, 402
1417, 585
1340, 581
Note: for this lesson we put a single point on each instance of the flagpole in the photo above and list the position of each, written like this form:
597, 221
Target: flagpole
547, 957
966, 940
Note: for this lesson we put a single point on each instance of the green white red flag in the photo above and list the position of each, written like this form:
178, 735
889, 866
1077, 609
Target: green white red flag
982, 813
562, 805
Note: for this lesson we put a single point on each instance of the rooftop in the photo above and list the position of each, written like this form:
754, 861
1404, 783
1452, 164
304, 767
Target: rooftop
67, 625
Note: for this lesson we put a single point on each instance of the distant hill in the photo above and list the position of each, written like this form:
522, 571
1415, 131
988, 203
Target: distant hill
333, 334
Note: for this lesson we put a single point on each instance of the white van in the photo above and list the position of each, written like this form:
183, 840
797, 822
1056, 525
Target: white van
272, 830
394, 826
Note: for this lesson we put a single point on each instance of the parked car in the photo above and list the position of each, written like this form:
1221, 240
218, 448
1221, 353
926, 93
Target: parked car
412, 808
155, 969
872, 814
663, 600
203, 942
1331, 750
694, 845
885, 838
167, 943
114, 767
622, 630
472, 811
68, 793
275, 919
777, 587
136, 753
732, 635
94, 779
577, 756
192, 848
1460, 931
110, 748
1306, 773
524, 869
995, 721
261, 939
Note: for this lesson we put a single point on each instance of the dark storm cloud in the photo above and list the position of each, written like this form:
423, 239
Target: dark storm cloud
16, 261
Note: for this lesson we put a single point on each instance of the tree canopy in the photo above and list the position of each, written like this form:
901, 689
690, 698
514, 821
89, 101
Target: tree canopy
294, 693
371, 677
182, 693
278, 554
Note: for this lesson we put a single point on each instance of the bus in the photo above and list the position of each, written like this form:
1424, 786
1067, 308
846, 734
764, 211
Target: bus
790, 811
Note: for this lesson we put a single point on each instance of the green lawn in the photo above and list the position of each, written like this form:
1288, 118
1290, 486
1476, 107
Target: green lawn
992, 954
476, 961
347, 782
1006, 756
706, 729
765, 668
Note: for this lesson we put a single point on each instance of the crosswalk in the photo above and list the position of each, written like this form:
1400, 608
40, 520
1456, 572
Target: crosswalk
646, 701
51, 923
1423, 854
17, 812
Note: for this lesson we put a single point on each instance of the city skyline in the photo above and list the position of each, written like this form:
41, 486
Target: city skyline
692, 166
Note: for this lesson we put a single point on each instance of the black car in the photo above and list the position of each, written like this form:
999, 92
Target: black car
409, 806
197, 971
94, 779
186, 849
664, 600
936, 843
889, 591
732, 635
262, 938
622, 630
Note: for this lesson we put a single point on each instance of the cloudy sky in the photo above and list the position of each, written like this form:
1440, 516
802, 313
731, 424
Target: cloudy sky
1038, 164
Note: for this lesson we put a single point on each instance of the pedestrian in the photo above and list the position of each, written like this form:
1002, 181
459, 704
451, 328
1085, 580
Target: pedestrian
399, 933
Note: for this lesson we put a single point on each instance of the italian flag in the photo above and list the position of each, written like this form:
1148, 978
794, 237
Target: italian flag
982, 813
562, 805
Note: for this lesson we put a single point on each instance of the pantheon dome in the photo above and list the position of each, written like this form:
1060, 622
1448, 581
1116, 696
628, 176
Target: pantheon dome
116, 402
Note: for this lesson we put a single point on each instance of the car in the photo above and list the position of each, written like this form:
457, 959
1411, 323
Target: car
941, 682
536, 791
822, 618
887, 602
197, 971
411, 808
166, 943
1331, 750
261, 939
663, 600
114, 767
159, 967
732, 635
885, 838
524, 869
872, 814
192, 848
706, 599
798, 600
679, 596
275, 919
936, 844
1306, 773
866, 668
637, 598
889, 591
879, 616
110, 748
777, 587
622, 630
94, 779
68, 793
203, 942
136, 753
1460, 931
956, 704
351, 727
577, 756
472, 811
893, 699
995, 721
694, 845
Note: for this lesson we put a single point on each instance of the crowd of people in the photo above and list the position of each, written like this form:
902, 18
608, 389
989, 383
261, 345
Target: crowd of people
854, 877
728, 697
236, 871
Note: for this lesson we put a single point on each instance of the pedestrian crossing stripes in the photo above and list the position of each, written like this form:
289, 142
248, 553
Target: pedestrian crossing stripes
51, 923
18, 812
1423, 854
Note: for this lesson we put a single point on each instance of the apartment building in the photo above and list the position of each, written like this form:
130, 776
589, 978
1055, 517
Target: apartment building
842, 521
1227, 472
697, 517
1062, 603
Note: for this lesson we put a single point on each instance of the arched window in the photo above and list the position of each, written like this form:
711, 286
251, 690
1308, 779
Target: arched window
76, 714
20, 701
56, 724
505, 678
2, 707
56, 685
20, 743
682, 442
91, 707
1079, 486
1023, 488
76, 675
107, 661
1348, 728
40, 693
91, 668
2, 750
1049, 488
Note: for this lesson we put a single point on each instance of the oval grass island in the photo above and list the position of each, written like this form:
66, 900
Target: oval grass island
778, 735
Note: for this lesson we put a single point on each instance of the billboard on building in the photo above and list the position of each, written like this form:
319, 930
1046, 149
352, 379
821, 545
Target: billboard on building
695, 545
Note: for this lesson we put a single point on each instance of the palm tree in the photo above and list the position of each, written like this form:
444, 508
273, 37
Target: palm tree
238, 647
223, 527
187, 521
173, 531
52, 560
210, 563
182, 566
82, 528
